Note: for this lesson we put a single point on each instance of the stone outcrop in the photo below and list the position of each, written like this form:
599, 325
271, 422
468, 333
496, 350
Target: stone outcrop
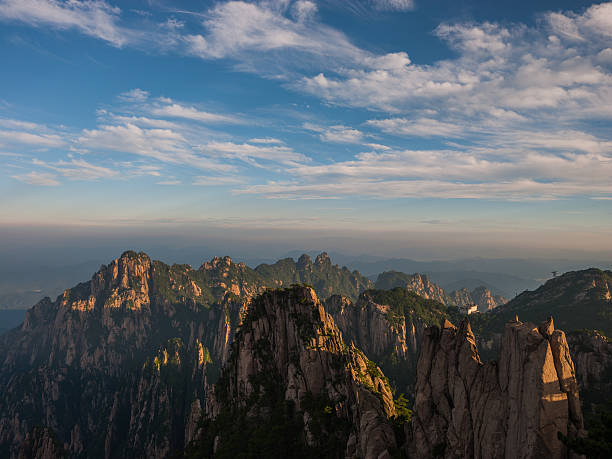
367, 325
512, 407
592, 356
290, 346
390, 335
424, 287
480, 296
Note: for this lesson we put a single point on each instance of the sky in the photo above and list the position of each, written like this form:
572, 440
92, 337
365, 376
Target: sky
376, 126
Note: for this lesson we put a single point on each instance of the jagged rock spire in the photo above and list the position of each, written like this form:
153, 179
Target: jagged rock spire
547, 327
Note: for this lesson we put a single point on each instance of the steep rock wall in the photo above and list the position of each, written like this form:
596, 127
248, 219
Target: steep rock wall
513, 407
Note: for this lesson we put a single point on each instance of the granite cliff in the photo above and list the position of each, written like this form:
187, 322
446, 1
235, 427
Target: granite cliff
512, 407
388, 327
291, 373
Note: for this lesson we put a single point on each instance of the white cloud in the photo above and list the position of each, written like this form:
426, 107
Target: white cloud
394, 5
377, 146
337, 133
563, 25
19, 124
251, 154
95, 18
564, 141
342, 134
21, 137
526, 71
421, 127
175, 110
519, 190
599, 19
134, 95
79, 169
254, 33
476, 38
206, 180
163, 145
304, 10
144, 121
605, 56
596, 20
449, 174
38, 178
266, 140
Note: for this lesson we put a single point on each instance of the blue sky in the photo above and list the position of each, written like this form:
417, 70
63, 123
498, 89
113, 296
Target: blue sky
457, 123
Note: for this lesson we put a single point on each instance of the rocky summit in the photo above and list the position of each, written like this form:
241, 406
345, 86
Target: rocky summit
167, 361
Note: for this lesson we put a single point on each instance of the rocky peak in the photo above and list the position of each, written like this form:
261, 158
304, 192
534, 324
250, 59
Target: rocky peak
322, 260
513, 407
480, 296
290, 351
417, 283
304, 262
485, 299
421, 285
217, 263
124, 283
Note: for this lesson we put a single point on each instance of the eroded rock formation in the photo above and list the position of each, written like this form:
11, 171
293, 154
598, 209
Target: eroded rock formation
290, 351
512, 407
592, 356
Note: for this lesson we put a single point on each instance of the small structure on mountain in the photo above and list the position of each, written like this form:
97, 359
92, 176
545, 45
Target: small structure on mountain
468, 309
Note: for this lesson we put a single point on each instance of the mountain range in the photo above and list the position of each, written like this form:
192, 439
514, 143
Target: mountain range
297, 359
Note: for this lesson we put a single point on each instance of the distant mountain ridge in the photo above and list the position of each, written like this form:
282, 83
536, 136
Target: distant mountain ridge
578, 300
421, 285
326, 278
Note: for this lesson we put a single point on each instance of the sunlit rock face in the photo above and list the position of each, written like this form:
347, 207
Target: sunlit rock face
512, 407
289, 348
117, 366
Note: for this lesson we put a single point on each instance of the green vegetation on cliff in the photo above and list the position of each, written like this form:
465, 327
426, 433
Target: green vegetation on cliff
412, 307
577, 300
327, 279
